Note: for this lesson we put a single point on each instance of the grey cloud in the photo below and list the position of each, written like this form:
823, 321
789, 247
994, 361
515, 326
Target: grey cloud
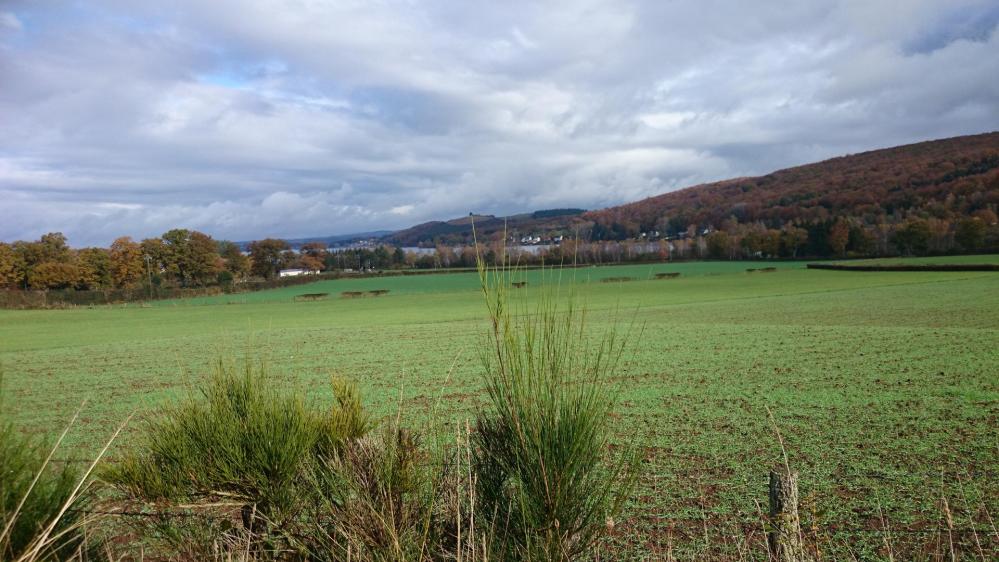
249, 119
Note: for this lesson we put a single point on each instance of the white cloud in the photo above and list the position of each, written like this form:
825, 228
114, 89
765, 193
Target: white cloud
248, 119
10, 21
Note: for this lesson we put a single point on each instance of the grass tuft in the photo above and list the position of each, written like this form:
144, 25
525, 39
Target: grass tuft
547, 488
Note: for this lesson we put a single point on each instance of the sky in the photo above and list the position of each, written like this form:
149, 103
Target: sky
247, 119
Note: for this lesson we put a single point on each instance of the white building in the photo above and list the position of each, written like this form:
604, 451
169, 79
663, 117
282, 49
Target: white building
291, 272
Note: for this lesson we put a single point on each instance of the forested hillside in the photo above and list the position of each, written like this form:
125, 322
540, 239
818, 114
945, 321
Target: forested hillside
934, 196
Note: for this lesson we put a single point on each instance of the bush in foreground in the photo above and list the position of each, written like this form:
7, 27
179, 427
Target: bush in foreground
243, 445
546, 487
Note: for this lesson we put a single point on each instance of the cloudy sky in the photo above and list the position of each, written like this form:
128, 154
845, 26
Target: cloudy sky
253, 118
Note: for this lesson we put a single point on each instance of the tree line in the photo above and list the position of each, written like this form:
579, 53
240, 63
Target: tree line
188, 258
178, 258
185, 258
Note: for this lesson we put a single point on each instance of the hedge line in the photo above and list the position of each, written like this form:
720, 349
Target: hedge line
70, 297
907, 267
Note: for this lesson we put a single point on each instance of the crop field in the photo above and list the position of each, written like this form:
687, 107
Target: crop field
884, 387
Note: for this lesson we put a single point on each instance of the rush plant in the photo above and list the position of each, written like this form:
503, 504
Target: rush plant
548, 487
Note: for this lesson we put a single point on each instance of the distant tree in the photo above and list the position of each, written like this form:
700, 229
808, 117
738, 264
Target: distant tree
175, 254
29, 256
970, 233
465, 256
289, 259
314, 249
793, 239
380, 258
662, 250
267, 257
54, 248
861, 240
225, 278
752, 243
913, 237
839, 237
941, 234
426, 261
310, 263
11, 267
986, 215
771, 243
127, 265
445, 255
51, 248
156, 251
95, 268
205, 262
718, 244
312, 256
191, 257
235, 262
54, 275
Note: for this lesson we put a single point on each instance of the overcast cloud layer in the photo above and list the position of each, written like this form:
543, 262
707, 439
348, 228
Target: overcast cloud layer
248, 118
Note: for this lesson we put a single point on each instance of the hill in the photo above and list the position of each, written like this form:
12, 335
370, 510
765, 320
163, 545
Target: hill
943, 179
459, 231
930, 197
336, 240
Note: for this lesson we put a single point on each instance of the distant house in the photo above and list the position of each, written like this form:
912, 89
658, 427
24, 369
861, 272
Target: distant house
291, 272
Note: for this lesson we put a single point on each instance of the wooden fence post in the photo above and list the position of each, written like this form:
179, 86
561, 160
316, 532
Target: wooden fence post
785, 534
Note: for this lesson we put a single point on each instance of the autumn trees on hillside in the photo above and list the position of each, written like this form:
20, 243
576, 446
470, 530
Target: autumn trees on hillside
908, 200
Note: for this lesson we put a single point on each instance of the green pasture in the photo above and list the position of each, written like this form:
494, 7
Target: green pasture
950, 260
883, 385
469, 281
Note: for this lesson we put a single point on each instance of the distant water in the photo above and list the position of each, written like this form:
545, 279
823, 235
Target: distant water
534, 249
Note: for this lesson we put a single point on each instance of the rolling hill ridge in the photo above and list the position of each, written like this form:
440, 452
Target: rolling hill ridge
940, 181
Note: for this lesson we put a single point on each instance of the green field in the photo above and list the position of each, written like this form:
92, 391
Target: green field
950, 260
884, 385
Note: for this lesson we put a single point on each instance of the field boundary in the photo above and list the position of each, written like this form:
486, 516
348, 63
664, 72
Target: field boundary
906, 267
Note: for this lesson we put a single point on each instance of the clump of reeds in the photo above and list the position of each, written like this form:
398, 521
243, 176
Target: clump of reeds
547, 487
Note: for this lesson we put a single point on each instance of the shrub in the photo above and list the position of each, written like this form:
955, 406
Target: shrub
546, 487
244, 444
374, 501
